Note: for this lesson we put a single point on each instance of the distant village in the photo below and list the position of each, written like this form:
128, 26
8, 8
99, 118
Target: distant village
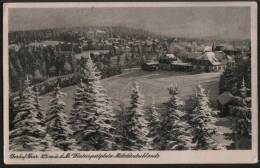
50, 53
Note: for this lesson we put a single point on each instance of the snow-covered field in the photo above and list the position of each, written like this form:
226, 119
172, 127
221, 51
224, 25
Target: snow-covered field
155, 84
152, 84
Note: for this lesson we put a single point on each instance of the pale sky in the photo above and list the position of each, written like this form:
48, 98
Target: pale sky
222, 22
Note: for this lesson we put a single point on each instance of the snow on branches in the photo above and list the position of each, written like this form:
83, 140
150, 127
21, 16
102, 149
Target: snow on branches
136, 127
241, 112
175, 134
57, 122
92, 111
28, 131
202, 120
154, 126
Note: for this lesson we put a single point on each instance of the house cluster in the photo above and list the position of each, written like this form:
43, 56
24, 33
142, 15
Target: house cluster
179, 55
211, 59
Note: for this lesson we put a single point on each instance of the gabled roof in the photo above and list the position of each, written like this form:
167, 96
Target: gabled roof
208, 49
152, 63
194, 55
222, 57
170, 55
181, 63
100, 31
209, 56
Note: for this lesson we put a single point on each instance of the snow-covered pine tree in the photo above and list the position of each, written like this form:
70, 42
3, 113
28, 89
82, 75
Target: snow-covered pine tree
40, 114
28, 132
57, 122
175, 133
109, 118
108, 113
203, 94
190, 105
14, 106
136, 132
38, 107
95, 126
78, 109
49, 144
241, 112
202, 122
154, 126
120, 127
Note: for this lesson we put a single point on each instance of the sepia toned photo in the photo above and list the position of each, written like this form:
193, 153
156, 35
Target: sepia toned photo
130, 83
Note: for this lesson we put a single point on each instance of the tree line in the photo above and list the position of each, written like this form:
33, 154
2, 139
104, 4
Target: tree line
73, 34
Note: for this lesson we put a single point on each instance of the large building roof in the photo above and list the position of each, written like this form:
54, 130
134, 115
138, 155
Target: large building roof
222, 57
181, 63
170, 56
208, 49
152, 63
209, 56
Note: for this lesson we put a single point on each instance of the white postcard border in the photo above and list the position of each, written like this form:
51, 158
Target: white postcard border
166, 157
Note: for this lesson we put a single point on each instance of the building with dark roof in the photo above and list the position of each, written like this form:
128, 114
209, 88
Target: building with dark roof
150, 66
208, 62
181, 66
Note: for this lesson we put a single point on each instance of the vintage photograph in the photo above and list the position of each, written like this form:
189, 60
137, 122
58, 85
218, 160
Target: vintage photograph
129, 78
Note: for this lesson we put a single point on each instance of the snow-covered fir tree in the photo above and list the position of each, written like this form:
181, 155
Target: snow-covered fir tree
57, 122
94, 123
108, 112
190, 105
78, 109
136, 132
40, 114
241, 112
203, 93
49, 144
120, 127
38, 107
203, 122
28, 132
175, 133
154, 126
14, 106
109, 118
